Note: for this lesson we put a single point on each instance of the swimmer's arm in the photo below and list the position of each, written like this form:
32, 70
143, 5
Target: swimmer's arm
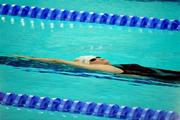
104, 68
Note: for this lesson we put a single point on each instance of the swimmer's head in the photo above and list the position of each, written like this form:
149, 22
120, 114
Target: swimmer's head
91, 60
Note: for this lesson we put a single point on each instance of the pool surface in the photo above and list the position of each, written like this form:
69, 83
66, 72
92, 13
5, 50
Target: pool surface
68, 40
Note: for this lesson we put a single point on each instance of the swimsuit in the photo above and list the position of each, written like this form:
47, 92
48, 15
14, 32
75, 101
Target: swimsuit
136, 69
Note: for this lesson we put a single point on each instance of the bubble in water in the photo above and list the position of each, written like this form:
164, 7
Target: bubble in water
42, 25
61, 25
3, 19
12, 20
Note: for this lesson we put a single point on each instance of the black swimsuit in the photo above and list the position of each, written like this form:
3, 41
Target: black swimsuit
136, 69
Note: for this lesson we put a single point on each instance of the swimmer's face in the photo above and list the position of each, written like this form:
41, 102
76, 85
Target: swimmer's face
99, 60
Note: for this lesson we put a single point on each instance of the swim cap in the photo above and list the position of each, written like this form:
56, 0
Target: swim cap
85, 59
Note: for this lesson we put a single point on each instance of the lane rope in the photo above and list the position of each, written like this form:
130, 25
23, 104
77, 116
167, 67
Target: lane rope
91, 17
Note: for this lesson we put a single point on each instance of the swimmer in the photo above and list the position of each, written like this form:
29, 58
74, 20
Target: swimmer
97, 63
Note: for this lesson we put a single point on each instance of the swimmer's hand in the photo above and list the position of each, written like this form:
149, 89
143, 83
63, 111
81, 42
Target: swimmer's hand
23, 57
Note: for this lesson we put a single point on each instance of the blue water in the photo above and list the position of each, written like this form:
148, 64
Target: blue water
67, 40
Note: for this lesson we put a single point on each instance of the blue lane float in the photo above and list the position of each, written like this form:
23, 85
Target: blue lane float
92, 17
86, 108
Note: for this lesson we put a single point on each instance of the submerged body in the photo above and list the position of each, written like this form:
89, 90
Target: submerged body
149, 72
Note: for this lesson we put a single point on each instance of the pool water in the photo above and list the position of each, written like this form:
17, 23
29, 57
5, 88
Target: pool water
67, 40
